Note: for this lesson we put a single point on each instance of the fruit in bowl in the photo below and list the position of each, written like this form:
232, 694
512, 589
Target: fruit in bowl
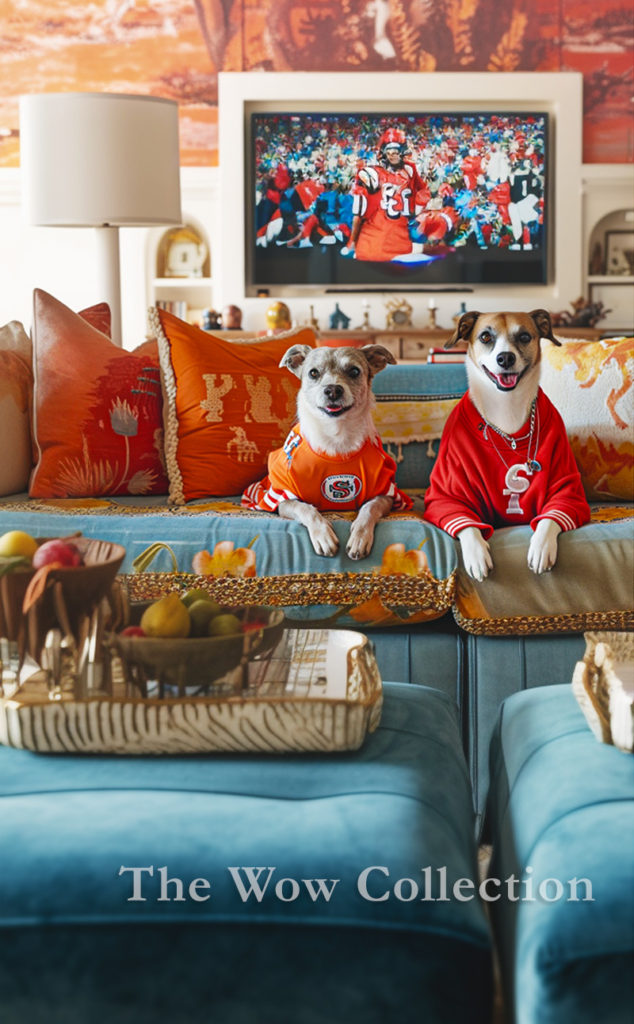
218, 639
83, 567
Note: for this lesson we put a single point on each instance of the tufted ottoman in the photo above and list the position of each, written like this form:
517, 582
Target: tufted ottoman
561, 807
247, 890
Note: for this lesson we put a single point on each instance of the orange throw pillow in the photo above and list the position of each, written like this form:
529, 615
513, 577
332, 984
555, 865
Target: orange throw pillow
97, 409
226, 406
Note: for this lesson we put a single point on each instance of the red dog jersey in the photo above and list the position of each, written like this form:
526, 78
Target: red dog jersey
329, 482
479, 480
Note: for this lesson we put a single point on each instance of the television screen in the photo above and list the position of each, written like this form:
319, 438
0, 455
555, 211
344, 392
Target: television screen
439, 199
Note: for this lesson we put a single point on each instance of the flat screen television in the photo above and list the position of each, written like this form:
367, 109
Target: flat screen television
384, 199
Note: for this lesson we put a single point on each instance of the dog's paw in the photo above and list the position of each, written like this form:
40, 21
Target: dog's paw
542, 550
324, 539
476, 554
359, 543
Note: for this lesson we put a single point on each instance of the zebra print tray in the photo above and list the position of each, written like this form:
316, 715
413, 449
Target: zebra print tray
319, 691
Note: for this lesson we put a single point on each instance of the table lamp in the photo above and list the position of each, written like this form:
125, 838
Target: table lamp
102, 160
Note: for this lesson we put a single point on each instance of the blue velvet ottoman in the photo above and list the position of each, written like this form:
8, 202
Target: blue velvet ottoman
561, 808
247, 889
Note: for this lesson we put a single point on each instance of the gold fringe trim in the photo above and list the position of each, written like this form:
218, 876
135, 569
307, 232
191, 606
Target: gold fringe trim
535, 625
155, 328
302, 589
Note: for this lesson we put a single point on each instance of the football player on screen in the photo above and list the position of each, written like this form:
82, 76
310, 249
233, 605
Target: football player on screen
385, 196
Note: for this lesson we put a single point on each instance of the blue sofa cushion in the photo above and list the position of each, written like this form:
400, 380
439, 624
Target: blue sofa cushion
561, 807
288, 572
400, 804
590, 587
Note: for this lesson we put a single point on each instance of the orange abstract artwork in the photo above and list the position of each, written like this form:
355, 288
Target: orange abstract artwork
175, 49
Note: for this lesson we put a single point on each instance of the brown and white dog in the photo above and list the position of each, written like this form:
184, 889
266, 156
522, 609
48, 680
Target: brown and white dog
504, 457
332, 459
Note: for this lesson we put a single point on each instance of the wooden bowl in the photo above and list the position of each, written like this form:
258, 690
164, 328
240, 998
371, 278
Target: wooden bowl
196, 661
81, 587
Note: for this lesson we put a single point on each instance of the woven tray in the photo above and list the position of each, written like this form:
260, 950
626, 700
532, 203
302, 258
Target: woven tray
319, 690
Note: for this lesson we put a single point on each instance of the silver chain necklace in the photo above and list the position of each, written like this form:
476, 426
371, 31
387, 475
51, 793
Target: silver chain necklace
532, 465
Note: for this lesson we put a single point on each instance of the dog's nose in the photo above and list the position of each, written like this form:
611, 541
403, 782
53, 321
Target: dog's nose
506, 360
333, 392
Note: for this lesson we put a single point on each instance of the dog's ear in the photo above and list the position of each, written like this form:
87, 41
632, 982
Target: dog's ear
294, 357
377, 356
543, 323
464, 328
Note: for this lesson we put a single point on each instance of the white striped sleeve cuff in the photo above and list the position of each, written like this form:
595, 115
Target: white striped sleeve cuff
458, 523
561, 518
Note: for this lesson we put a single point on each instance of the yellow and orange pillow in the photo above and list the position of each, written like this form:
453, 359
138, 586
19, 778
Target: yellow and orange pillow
97, 408
592, 385
226, 406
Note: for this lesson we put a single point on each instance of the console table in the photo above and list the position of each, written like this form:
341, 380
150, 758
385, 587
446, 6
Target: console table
412, 344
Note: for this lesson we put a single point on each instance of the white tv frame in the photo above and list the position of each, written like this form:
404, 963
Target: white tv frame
560, 94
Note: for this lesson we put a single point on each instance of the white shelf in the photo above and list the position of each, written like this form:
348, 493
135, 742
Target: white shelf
610, 279
182, 282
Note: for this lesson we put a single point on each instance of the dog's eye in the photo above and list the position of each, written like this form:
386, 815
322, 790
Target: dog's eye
314, 374
486, 337
353, 371
524, 338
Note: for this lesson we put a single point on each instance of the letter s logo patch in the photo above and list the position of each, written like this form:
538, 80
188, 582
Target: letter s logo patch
344, 487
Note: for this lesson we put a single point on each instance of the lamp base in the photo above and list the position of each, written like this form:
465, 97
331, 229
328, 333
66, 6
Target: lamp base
109, 275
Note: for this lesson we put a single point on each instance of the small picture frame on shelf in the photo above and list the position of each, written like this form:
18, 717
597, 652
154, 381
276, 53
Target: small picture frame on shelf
183, 252
619, 253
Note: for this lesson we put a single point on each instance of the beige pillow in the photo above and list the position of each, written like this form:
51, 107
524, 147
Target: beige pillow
16, 391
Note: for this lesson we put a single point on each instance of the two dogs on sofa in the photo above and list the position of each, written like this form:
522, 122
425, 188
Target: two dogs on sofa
504, 456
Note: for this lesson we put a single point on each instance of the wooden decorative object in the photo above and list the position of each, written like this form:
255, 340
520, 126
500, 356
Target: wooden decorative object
603, 684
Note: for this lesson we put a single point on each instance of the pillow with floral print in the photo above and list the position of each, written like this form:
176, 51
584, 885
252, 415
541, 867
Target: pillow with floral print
97, 410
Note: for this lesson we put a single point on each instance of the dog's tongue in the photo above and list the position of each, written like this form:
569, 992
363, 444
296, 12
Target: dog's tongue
508, 380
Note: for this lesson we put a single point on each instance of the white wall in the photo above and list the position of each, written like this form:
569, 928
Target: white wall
62, 261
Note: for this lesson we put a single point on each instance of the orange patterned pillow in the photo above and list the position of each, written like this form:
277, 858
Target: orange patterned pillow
97, 421
16, 386
592, 385
226, 406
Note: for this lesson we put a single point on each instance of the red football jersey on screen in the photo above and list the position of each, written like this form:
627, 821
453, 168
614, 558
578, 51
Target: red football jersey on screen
385, 200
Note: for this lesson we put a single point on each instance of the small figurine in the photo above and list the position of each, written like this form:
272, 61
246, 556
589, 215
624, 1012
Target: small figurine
463, 309
278, 318
338, 319
365, 324
210, 320
312, 319
585, 314
231, 318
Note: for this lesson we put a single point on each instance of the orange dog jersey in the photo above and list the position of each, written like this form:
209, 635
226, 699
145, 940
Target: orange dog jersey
329, 482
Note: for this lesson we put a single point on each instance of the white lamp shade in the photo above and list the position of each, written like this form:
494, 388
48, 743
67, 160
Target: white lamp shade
91, 159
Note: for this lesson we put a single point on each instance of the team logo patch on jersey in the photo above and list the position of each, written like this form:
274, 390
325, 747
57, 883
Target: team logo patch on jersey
344, 487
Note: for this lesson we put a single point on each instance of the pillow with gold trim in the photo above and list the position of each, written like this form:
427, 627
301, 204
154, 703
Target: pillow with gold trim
97, 410
592, 385
226, 406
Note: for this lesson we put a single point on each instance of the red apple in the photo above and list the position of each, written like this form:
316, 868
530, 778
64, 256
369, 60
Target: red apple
60, 552
132, 631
